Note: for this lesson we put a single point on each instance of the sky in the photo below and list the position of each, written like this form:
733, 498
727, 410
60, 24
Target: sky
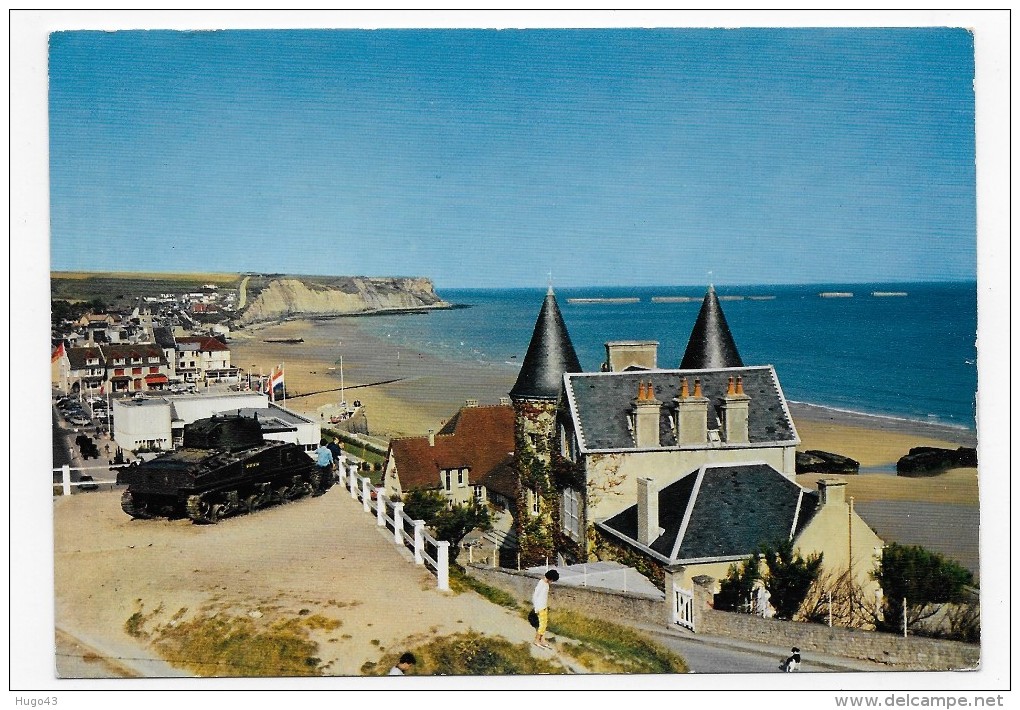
496, 158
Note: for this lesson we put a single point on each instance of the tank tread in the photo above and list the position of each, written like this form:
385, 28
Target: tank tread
130, 506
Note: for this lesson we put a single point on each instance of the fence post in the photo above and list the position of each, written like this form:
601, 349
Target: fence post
398, 523
443, 564
65, 478
380, 507
419, 541
366, 494
904, 617
352, 481
495, 557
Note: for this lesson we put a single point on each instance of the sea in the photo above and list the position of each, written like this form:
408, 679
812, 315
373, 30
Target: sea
904, 350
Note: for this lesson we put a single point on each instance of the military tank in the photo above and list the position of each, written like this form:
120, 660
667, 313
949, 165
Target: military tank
225, 468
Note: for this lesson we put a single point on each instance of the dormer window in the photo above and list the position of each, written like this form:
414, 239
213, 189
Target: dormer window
153, 359
92, 361
118, 361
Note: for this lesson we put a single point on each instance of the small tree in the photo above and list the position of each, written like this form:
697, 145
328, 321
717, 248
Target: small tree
737, 588
453, 524
925, 579
450, 523
789, 577
424, 504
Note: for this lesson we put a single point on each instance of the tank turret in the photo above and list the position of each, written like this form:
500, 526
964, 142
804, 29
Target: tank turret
225, 468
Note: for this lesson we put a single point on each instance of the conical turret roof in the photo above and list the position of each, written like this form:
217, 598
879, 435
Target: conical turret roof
550, 354
711, 345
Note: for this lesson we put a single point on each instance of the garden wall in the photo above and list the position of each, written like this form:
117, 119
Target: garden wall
902, 654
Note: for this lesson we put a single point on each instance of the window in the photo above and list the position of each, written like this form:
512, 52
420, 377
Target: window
92, 361
136, 370
118, 371
462, 477
534, 502
118, 361
479, 493
153, 358
153, 370
445, 476
571, 516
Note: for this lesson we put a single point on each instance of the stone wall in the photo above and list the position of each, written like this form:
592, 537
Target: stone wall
902, 654
911, 653
622, 608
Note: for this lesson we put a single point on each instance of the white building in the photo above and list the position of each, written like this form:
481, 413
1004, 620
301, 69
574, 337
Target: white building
158, 422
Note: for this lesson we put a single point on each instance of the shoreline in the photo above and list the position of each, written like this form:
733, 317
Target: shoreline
406, 391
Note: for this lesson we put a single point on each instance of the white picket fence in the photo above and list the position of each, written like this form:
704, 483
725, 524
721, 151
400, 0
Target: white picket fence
66, 484
428, 551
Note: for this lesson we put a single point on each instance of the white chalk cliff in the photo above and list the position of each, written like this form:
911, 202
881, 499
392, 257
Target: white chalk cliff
294, 297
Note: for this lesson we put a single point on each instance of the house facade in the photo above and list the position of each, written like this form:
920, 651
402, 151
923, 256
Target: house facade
468, 460
204, 359
138, 367
690, 469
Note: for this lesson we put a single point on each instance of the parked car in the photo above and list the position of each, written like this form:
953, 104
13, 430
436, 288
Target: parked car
87, 484
80, 421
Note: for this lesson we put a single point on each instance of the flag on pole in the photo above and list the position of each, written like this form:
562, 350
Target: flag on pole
58, 353
275, 383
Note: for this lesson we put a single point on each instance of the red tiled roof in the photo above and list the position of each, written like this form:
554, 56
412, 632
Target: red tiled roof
206, 343
477, 438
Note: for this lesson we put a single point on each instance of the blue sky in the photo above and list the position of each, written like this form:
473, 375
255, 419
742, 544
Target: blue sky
492, 158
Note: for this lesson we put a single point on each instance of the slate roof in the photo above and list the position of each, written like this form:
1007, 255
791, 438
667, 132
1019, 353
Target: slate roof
164, 337
601, 403
76, 357
133, 350
711, 344
719, 512
550, 355
477, 438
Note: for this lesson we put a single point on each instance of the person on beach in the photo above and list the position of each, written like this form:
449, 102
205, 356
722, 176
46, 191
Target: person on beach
407, 660
540, 602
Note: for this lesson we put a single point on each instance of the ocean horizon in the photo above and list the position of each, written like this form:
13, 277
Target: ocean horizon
899, 350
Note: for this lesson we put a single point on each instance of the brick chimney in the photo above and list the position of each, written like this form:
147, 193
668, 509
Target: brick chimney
691, 415
735, 412
646, 416
648, 511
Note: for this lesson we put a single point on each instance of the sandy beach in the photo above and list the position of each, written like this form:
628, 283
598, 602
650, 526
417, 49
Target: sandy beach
404, 392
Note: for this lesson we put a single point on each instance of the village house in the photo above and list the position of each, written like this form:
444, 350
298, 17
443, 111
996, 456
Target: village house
468, 460
688, 469
135, 367
204, 358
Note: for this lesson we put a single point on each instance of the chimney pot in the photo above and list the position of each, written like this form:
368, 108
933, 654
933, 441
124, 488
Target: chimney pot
684, 390
729, 386
697, 387
740, 385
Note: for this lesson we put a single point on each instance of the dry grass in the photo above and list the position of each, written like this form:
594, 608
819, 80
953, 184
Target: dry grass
147, 275
218, 643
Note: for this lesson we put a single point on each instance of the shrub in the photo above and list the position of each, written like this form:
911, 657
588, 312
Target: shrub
925, 579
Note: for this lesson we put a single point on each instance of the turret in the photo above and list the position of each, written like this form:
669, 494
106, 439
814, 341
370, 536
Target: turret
711, 344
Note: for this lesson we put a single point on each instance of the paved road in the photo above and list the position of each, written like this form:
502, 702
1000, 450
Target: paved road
711, 654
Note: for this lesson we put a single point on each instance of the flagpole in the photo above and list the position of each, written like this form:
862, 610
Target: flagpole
283, 375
